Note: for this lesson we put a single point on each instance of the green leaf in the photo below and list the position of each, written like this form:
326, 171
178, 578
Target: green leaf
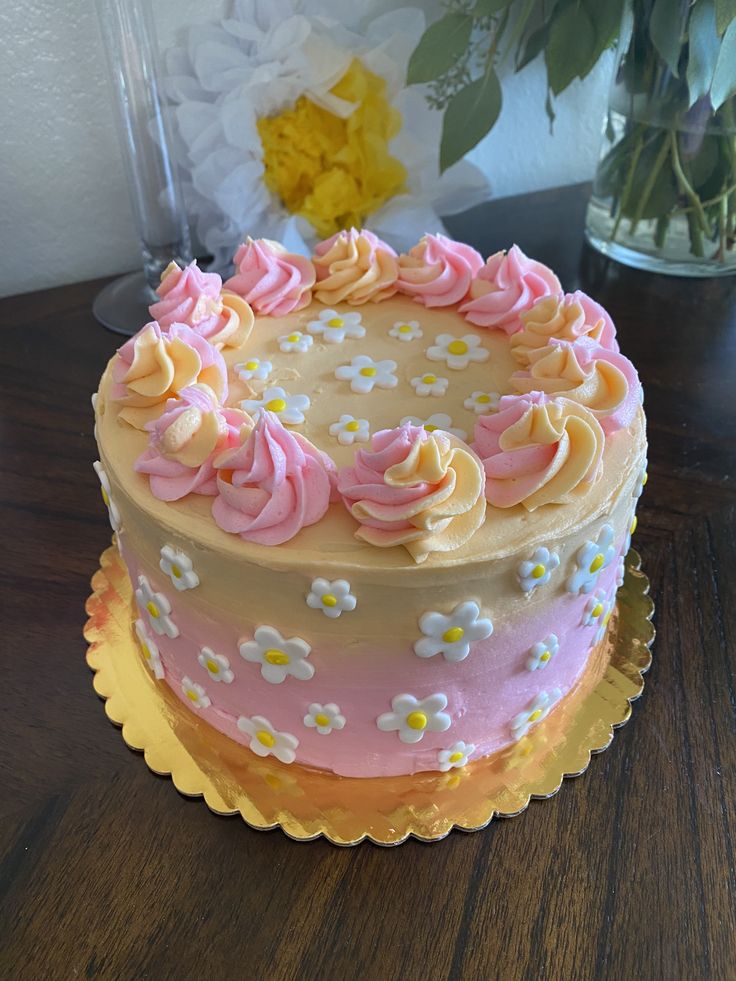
725, 14
568, 51
519, 25
702, 49
665, 30
469, 115
534, 44
439, 48
723, 85
486, 8
606, 19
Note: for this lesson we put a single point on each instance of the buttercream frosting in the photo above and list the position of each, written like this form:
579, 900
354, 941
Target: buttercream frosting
563, 317
438, 271
354, 267
273, 281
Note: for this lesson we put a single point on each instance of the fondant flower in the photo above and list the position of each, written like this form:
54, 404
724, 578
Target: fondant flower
641, 482
295, 342
149, 649
290, 409
457, 352
591, 559
482, 402
334, 327
365, 374
537, 570
333, 598
324, 718
217, 666
507, 285
438, 271
272, 485
562, 317
354, 267
406, 330
594, 608
277, 657
411, 717
541, 654
429, 384
417, 489
537, 710
273, 281
349, 430
620, 571
438, 420
267, 741
157, 608
603, 621
112, 508
453, 634
629, 532
456, 755
253, 370
195, 693
178, 567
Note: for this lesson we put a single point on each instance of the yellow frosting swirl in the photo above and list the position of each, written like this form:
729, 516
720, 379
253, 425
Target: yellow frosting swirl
238, 321
555, 317
355, 267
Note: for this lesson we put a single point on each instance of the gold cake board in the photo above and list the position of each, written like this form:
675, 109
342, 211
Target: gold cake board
307, 803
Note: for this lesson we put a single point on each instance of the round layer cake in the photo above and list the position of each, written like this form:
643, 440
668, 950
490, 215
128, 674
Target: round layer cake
374, 507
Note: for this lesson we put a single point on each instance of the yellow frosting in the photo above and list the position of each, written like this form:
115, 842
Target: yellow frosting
355, 270
238, 325
549, 319
555, 370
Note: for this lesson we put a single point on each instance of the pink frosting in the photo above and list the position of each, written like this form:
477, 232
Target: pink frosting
603, 328
189, 296
508, 284
271, 485
438, 271
273, 281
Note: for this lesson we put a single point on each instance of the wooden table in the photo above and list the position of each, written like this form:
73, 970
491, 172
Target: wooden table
106, 872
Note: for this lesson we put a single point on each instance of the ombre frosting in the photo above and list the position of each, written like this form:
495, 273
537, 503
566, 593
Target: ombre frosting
437, 271
273, 281
536, 450
417, 489
509, 284
354, 267
272, 485
563, 317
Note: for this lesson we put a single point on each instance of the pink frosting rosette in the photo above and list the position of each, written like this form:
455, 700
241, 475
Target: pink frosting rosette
273, 281
438, 271
271, 485
538, 450
414, 488
184, 440
354, 267
563, 317
195, 298
508, 284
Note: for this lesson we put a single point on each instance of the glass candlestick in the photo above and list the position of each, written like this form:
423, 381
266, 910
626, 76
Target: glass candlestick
129, 37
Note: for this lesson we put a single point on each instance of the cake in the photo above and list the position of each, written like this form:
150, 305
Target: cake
374, 507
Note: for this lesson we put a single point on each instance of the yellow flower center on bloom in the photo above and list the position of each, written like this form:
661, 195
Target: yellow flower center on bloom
429, 428
405, 329
176, 571
276, 405
535, 715
274, 656
105, 497
455, 757
352, 427
453, 635
321, 719
538, 571
265, 738
336, 322
429, 379
545, 656
483, 399
251, 365
368, 372
146, 651
606, 618
645, 478
416, 720
457, 347
192, 695
597, 562
292, 338
153, 609
329, 600
334, 172
212, 666
634, 523
597, 610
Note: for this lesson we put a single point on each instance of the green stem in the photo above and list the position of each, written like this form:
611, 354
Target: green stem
638, 146
687, 189
649, 184
696, 234
660, 231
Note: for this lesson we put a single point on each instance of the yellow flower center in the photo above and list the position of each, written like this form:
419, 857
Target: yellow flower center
535, 715
292, 338
368, 372
483, 399
416, 720
153, 609
212, 666
597, 562
176, 571
146, 651
634, 523
276, 405
192, 695
545, 656
597, 610
645, 478
455, 757
336, 322
429, 427
538, 571
606, 618
453, 635
457, 347
429, 379
352, 427
105, 497
321, 719
265, 738
329, 600
405, 329
274, 656
251, 365
334, 172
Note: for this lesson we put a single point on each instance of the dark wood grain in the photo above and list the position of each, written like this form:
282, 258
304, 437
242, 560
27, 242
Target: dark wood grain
106, 872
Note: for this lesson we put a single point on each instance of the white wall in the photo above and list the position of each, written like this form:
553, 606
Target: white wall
64, 212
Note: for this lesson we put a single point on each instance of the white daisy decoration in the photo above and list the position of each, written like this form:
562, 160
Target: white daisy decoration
334, 327
149, 648
630, 531
457, 352
411, 717
157, 607
349, 430
333, 598
295, 342
429, 384
253, 370
594, 608
324, 718
195, 693
541, 654
641, 482
289, 408
454, 756
438, 420
451, 635
406, 330
278, 658
537, 570
267, 741
537, 710
482, 402
112, 509
178, 567
604, 621
217, 666
591, 559
365, 374
620, 572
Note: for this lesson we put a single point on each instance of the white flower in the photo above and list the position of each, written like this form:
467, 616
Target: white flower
456, 756
335, 327
542, 653
333, 598
149, 647
594, 608
278, 657
195, 693
406, 330
295, 342
267, 741
157, 607
178, 567
364, 374
620, 571
591, 559
253, 369
350, 430
429, 384
631, 529
452, 635
603, 621
324, 718
217, 666
439, 420
537, 710
482, 402
537, 570
112, 509
641, 481
457, 352
289, 408
412, 717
